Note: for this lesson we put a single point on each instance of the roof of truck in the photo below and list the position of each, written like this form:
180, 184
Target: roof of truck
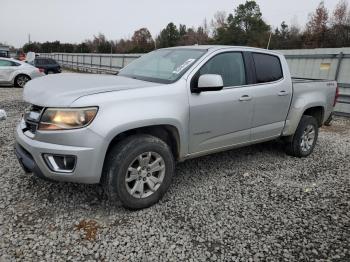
218, 47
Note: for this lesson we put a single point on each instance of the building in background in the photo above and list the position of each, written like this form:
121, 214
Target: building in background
4, 51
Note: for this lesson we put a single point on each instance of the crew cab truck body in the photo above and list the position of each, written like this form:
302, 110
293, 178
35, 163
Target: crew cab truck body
127, 131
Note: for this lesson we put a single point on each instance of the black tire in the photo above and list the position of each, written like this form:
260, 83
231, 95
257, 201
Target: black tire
21, 80
117, 163
293, 145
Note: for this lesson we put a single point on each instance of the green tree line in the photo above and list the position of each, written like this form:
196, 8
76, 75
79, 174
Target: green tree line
244, 26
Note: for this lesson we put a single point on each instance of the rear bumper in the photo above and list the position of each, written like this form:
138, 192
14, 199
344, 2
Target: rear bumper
36, 74
55, 70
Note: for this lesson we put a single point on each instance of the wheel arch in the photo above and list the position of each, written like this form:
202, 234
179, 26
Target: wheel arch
168, 133
19, 74
316, 110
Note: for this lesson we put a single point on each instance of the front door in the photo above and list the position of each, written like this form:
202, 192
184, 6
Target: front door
220, 119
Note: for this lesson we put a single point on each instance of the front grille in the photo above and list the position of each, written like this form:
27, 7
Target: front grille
32, 117
32, 127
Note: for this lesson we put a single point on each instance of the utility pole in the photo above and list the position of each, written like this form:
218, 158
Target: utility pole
28, 38
268, 44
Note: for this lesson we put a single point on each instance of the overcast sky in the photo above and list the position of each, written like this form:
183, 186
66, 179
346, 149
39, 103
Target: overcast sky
77, 20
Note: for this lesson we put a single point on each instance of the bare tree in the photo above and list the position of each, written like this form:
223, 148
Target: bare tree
317, 27
340, 13
340, 21
206, 27
219, 20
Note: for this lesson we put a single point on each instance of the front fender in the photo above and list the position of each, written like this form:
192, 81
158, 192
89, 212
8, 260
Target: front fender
122, 111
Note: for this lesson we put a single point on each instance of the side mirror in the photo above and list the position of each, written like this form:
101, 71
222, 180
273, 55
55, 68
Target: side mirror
209, 82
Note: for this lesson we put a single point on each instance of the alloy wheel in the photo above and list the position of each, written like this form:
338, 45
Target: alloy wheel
22, 80
145, 175
308, 138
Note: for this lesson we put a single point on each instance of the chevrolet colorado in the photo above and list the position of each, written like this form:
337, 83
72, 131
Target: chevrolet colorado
127, 131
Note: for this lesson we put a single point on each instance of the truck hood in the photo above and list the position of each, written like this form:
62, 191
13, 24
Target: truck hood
62, 90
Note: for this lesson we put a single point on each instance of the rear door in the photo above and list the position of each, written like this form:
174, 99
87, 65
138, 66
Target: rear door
272, 96
222, 118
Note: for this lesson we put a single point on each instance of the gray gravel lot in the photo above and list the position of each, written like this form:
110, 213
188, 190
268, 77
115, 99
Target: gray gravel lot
253, 204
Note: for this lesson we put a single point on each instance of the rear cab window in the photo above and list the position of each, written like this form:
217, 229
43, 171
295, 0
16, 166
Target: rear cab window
268, 68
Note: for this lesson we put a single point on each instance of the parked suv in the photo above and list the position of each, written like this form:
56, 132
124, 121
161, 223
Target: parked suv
128, 131
48, 65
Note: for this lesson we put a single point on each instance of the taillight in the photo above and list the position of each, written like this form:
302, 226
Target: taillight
336, 96
41, 70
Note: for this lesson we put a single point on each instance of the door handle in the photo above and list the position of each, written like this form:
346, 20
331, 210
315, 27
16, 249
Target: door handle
245, 98
283, 93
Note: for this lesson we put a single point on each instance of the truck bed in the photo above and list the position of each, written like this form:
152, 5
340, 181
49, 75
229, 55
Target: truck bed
308, 92
297, 80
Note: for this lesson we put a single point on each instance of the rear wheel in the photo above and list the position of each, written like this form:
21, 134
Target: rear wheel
138, 171
304, 140
21, 80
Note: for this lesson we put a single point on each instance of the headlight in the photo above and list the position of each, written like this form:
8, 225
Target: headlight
67, 118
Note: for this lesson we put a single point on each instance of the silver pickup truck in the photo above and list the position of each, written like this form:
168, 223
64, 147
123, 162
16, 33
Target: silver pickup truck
128, 131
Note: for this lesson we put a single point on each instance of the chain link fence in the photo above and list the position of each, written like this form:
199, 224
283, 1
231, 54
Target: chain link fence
92, 63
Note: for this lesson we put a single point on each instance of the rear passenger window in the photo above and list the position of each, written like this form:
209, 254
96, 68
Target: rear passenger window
229, 65
5, 63
268, 68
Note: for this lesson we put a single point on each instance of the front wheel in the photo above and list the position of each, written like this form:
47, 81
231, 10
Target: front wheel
21, 80
138, 171
304, 140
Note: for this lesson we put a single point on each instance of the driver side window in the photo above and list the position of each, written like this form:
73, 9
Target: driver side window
229, 65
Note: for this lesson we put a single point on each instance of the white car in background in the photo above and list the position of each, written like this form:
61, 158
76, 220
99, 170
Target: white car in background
16, 72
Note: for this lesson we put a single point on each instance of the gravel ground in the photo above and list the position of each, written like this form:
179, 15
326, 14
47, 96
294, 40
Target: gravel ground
250, 204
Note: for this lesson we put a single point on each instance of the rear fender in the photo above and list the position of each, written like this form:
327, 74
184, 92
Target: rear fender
296, 112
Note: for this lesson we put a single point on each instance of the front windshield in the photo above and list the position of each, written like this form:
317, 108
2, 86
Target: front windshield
162, 66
